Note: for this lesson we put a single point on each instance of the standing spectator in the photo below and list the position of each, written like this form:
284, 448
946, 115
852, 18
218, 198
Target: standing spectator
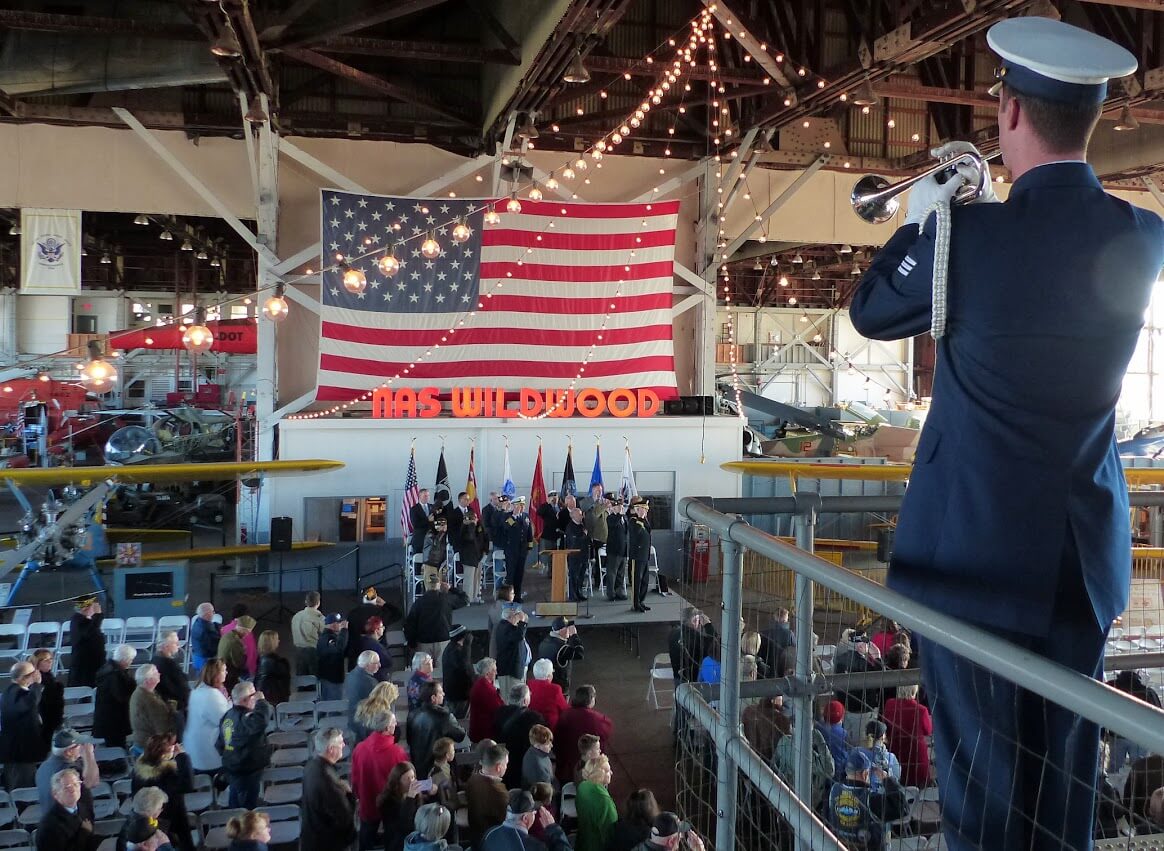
777, 638
52, 693
502, 599
166, 766
857, 655
328, 810
537, 766
596, 810
468, 538
689, 642
419, 515
545, 696
174, 686
764, 722
563, 647
381, 701
579, 719
484, 701
208, 703
232, 649
511, 727
371, 605
240, 617
87, 642
668, 833
361, 680
513, 834
486, 794
860, 813
513, 653
880, 757
576, 537
149, 714
204, 636
62, 825
115, 686
635, 825
823, 768
421, 673
69, 751
551, 534
398, 803
617, 542
595, 519
371, 641
429, 621
516, 541
274, 677
249, 832
332, 654
306, 627
831, 726
372, 762
589, 747
432, 822
457, 670
909, 723
444, 780
22, 743
429, 722
242, 743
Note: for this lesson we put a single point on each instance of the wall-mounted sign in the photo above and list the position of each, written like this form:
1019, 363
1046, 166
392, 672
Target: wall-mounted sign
465, 402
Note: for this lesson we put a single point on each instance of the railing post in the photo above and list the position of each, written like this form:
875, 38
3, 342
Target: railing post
804, 524
729, 694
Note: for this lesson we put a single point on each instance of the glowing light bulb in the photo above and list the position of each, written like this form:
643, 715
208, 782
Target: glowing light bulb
389, 265
461, 232
513, 205
535, 194
355, 281
98, 372
580, 164
492, 217
568, 173
198, 338
430, 248
275, 308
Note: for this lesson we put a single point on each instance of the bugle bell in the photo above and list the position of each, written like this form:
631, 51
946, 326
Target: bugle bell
875, 199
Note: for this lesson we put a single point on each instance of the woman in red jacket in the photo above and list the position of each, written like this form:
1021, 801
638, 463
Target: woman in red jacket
484, 701
909, 726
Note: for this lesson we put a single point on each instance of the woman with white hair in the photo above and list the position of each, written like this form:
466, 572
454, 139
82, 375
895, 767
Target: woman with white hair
422, 665
149, 715
484, 701
545, 695
115, 686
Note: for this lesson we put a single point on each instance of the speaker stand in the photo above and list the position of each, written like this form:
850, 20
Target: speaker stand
278, 610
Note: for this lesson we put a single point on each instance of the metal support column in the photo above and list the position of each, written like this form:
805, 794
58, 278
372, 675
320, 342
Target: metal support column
729, 694
804, 523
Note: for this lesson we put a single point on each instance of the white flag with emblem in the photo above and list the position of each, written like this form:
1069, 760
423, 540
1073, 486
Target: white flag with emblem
50, 251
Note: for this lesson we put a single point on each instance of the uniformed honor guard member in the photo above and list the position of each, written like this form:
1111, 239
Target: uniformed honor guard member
639, 551
1016, 515
517, 540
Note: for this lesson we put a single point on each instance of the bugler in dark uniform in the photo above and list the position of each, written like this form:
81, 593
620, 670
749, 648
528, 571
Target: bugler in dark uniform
1016, 516
639, 552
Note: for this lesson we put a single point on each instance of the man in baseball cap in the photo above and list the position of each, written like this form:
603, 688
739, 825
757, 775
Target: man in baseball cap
857, 812
667, 831
513, 834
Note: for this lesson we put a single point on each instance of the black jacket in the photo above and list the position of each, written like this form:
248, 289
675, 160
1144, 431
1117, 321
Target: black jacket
549, 517
505, 838
687, 647
418, 514
174, 685
332, 653
88, 649
176, 779
328, 809
509, 640
52, 704
59, 829
467, 535
575, 537
21, 739
514, 536
617, 533
431, 617
425, 725
274, 678
561, 653
457, 669
511, 726
115, 684
638, 542
242, 739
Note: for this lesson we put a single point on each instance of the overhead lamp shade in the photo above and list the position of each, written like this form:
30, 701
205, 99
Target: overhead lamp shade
255, 114
186, 246
14, 230
106, 259
166, 235
855, 271
1127, 120
846, 249
797, 258
214, 261
577, 72
864, 95
202, 255
226, 46
141, 219
528, 130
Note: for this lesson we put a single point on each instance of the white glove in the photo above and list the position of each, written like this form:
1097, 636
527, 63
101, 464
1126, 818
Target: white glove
951, 150
926, 193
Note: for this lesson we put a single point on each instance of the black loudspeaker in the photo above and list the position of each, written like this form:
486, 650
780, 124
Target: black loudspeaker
280, 534
885, 544
690, 406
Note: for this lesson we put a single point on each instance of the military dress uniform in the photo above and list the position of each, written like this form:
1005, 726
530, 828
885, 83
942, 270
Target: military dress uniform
617, 532
1016, 514
516, 534
638, 555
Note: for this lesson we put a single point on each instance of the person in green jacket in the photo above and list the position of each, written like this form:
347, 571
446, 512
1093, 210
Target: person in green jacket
596, 810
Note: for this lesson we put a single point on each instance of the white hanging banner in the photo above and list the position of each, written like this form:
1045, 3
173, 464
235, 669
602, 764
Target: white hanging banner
50, 251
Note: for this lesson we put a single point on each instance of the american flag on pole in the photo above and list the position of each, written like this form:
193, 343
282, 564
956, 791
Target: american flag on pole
535, 292
411, 494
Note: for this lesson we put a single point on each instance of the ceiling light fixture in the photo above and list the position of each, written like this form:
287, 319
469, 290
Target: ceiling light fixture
430, 248
186, 246
846, 249
226, 46
275, 308
106, 259
255, 113
202, 255
14, 230
141, 219
577, 72
797, 258
166, 235
355, 281
1127, 120
528, 130
215, 262
864, 95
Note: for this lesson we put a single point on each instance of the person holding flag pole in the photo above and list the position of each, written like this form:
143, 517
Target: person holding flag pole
597, 511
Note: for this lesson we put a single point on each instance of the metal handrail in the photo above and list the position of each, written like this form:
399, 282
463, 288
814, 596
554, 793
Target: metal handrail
1106, 706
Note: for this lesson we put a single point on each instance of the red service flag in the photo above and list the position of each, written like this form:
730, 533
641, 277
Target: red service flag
537, 496
471, 487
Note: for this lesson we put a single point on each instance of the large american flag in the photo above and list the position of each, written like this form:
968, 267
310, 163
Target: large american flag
546, 280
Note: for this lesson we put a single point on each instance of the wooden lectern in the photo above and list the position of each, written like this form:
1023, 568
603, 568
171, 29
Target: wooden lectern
558, 574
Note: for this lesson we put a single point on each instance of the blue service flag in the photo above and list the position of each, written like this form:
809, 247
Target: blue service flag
507, 486
596, 473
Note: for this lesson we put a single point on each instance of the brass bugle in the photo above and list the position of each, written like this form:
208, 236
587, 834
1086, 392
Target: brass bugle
875, 200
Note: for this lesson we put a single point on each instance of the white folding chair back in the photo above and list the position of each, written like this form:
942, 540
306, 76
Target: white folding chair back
141, 632
13, 640
44, 634
662, 680
114, 631
175, 623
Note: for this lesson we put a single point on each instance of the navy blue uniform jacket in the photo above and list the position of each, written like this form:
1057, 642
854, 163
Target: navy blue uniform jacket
1046, 299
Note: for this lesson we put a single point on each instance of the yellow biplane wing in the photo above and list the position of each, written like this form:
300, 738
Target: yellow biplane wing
881, 472
147, 473
208, 553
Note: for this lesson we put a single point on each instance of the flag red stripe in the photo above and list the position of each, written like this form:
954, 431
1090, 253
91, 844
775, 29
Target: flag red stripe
553, 209
544, 304
485, 336
523, 369
555, 238
577, 274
